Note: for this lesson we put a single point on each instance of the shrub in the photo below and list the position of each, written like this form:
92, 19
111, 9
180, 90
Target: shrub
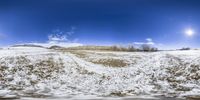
187, 48
148, 48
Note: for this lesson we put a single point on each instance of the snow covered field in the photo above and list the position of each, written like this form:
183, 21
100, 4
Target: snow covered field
27, 72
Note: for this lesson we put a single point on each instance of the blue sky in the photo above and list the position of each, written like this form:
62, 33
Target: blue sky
101, 22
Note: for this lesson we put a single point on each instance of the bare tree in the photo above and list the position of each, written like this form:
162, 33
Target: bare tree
131, 48
148, 48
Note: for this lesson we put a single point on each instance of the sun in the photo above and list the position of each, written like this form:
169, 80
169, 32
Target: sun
189, 32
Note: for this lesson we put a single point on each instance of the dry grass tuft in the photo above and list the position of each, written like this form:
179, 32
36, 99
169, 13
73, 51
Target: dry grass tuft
118, 93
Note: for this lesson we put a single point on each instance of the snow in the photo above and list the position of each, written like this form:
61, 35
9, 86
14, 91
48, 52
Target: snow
64, 74
4, 92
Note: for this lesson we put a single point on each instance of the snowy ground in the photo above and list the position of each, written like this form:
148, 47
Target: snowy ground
27, 72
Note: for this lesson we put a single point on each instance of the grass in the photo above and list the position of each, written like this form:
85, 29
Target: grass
102, 48
111, 62
130, 48
78, 53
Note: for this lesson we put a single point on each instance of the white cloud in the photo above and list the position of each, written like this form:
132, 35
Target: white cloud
149, 41
138, 43
61, 36
57, 37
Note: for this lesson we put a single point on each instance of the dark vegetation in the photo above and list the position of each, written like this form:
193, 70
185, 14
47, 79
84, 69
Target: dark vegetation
130, 48
185, 48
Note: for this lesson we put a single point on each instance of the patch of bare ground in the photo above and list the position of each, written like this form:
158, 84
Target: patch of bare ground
111, 62
78, 53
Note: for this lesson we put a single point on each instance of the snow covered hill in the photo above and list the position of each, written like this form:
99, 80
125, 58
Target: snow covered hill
40, 72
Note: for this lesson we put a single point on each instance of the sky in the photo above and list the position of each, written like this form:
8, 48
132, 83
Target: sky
163, 23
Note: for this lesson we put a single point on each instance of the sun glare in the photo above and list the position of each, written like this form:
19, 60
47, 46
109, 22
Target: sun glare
189, 32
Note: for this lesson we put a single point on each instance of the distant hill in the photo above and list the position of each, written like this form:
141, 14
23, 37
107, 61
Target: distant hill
27, 45
49, 45
56, 47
